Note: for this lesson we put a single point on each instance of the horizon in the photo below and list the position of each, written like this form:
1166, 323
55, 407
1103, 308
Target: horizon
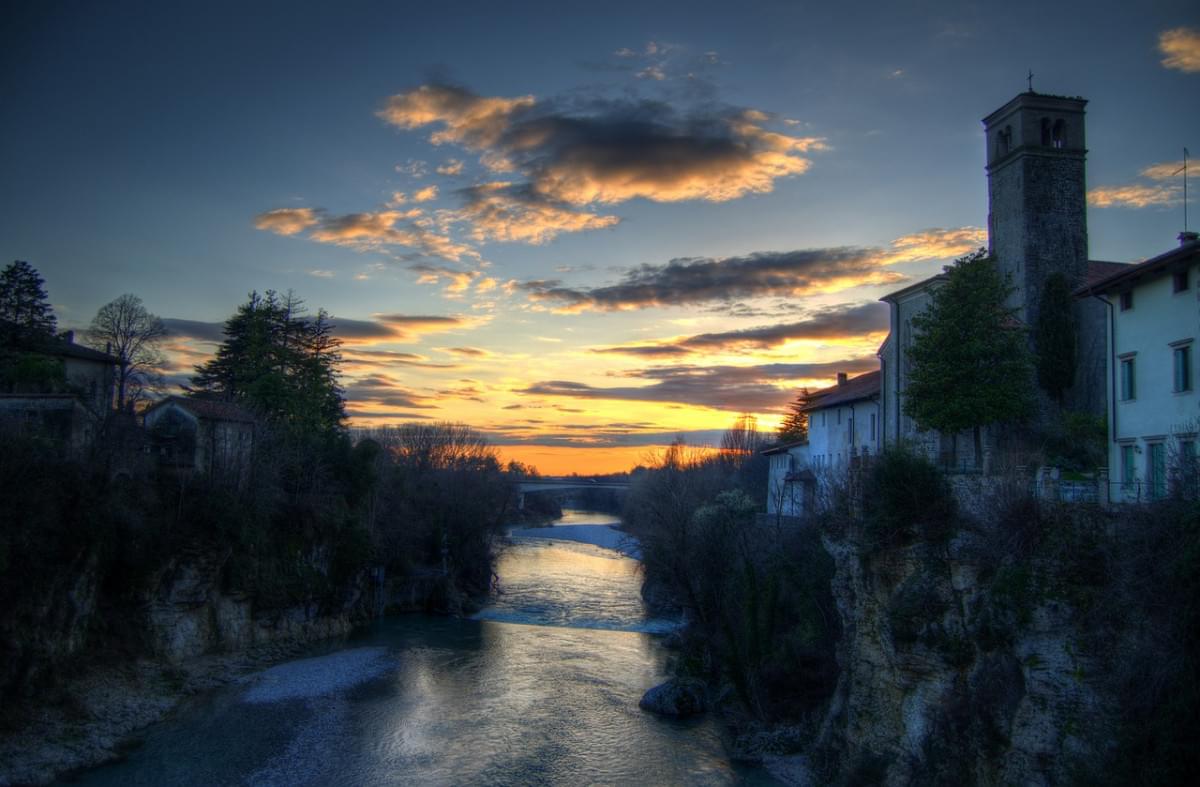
682, 219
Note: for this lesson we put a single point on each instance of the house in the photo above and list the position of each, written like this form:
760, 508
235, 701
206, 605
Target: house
843, 427
791, 485
57, 388
843, 421
1037, 226
1153, 322
203, 435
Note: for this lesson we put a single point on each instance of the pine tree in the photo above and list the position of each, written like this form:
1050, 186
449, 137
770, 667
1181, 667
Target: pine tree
24, 305
970, 359
280, 363
794, 428
1054, 336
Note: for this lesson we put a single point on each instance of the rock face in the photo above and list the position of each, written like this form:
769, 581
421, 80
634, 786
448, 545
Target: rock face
678, 697
931, 693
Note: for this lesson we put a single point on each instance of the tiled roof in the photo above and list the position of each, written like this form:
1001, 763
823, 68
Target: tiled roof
53, 345
865, 386
1098, 271
211, 409
1125, 274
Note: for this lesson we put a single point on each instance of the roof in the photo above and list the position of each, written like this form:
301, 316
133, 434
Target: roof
53, 345
783, 448
865, 386
212, 409
1126, 275
914, 287
1098, 270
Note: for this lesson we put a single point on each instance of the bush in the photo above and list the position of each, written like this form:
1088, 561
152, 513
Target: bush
906, 498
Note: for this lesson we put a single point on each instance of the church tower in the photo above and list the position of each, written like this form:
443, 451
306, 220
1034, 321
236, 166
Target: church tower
1037, 204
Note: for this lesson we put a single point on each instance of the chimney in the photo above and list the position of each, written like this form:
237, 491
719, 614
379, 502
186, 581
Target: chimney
841, 378
1186, 237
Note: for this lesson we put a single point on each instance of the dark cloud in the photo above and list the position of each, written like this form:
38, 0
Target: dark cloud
195, 329
837, 322
735, 388
687, 281
381, 390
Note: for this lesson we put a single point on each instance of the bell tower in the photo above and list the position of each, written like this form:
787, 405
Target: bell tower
1037, 203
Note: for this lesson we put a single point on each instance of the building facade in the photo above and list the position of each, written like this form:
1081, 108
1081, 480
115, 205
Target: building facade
1153, 330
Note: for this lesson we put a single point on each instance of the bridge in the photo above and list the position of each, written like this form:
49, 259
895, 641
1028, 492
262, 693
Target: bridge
547, 484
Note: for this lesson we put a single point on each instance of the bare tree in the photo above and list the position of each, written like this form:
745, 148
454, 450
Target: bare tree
125, 329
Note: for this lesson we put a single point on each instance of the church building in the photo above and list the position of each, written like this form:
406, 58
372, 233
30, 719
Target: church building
1037, 225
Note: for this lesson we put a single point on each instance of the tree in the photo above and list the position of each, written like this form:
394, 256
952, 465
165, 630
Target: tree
125, 329
794, 428
279, 362
1054, 337
970, 359
23, 301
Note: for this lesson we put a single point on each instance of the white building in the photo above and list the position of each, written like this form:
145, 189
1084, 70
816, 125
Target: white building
844, 424
1154, 413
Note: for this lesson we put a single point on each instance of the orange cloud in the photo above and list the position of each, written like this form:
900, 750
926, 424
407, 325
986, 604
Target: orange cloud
1163, 171
936, 244
500, 211
1132, 196
1181, 46
472, 120
426, 194
286, 221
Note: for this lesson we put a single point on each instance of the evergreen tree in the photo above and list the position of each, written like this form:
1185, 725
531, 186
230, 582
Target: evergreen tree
1054, 337
24, 304
278, 362
794, 428
970, 359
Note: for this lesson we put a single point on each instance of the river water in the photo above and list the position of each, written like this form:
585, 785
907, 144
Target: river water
541, 687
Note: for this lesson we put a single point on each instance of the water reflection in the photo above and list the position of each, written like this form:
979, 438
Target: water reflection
551, 699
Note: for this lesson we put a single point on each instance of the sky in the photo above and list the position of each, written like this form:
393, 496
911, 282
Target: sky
583, 229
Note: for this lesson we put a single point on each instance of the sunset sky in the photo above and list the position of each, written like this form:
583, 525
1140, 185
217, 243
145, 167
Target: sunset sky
582, 228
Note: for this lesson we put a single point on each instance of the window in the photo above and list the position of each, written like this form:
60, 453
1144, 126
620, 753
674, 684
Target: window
1128, 382
1127, 300
1179, 281
839, 416
1183, 368
823, 414
1156, 470
1059, 134
1128, 465
1046, 132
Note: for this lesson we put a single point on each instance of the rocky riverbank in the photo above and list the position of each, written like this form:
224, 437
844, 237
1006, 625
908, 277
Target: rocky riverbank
95, 717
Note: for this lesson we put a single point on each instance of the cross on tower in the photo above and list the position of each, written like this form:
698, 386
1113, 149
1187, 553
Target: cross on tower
1030, 78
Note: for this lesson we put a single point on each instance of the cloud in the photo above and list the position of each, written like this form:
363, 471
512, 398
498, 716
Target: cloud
368, 231
451, 167
686, 281
396, 327
286, 221
322, 274
837, 322
507, 212
195, 329
1132, 196
1181, 46
381, 390
1165, 170
426, 194
470, 352
936, 243
609, 151
734, 388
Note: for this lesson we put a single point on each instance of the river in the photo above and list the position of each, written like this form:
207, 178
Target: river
540, 687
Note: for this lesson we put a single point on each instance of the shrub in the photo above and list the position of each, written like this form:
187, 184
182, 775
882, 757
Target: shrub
906, 498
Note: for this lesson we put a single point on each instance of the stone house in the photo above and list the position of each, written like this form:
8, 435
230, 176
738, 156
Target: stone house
791, 484
69, 395
1153, 320
201, 435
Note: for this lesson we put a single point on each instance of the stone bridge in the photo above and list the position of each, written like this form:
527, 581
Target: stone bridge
553, 484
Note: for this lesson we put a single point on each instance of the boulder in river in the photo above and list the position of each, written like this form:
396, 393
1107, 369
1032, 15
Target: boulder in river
677, 697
